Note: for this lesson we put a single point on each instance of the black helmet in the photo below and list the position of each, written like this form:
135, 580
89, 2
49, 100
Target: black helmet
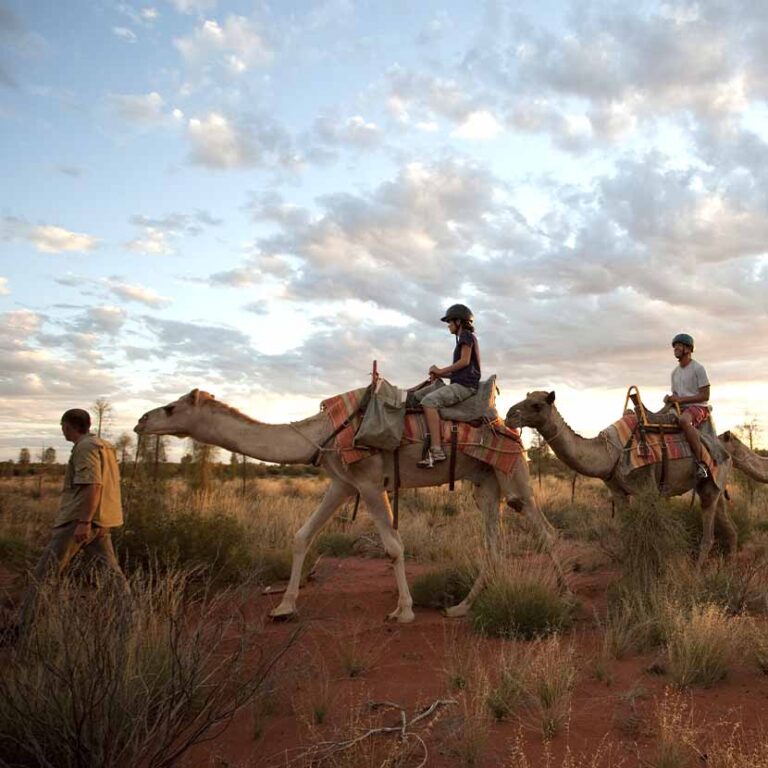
683, 338
458, 312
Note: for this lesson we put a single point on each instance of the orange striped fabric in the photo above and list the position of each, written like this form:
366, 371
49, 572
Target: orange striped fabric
494, 444
642, 453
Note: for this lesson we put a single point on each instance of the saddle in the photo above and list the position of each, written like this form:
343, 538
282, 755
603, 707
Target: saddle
476, 410
655, 422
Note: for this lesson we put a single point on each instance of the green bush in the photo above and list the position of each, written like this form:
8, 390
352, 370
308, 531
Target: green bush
524, 607
442, 588
152, 536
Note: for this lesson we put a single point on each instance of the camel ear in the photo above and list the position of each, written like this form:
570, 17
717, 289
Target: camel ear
551, 397
726, 436
193, 397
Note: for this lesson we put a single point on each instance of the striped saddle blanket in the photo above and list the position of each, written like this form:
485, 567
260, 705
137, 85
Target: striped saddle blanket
493, 443
641, 450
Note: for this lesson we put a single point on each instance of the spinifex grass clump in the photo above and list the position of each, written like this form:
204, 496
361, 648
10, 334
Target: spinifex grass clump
650, 538
442, 588
701, 645
520, 605
103, 680
535, 681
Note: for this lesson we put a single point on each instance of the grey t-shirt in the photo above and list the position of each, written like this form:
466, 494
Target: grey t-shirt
687, 381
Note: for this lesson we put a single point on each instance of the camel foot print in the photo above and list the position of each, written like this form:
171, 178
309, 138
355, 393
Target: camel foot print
403, 616
456, 611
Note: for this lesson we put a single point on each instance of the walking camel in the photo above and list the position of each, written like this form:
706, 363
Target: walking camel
750, 463
598, 457
200, 416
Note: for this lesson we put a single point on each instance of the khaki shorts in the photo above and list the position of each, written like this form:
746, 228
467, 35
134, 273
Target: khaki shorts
446, 396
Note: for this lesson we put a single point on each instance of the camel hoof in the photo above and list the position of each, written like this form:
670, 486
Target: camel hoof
401, 616
283, 613
456, 611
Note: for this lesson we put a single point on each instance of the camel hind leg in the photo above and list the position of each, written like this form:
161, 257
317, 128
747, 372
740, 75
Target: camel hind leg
338, 492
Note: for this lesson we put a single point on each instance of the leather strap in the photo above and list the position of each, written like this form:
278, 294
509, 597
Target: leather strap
396, 492
454, 451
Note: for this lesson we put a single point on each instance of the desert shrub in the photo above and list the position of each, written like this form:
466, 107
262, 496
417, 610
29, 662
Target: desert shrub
102, 680
186, 539
442, 588
335, 544
635, 621
700, 646
650, 537
521, 606
537, 682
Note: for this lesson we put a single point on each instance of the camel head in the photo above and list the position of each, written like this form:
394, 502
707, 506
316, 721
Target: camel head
175, 418
534, 411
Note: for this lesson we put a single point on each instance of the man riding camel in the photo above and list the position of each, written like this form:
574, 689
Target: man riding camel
690, 390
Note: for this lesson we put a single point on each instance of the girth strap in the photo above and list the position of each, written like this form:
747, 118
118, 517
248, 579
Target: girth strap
454, 451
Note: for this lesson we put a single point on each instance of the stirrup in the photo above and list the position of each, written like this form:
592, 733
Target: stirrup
432, 458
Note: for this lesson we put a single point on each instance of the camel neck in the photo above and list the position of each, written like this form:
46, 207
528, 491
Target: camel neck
588, 456
294, 443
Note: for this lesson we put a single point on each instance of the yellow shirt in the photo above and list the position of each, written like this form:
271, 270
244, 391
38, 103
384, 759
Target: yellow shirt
93, 462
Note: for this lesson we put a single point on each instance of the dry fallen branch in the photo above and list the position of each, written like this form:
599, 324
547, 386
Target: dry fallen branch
323, 751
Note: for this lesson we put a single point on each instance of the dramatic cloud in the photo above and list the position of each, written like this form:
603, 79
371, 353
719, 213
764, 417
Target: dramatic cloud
219, 142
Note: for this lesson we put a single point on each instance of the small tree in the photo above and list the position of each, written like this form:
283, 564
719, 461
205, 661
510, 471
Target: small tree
104, 413
749, 431
203, 456
48, 456
123, 444
25, 457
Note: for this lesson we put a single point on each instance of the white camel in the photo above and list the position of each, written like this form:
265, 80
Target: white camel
599, 457
199, 415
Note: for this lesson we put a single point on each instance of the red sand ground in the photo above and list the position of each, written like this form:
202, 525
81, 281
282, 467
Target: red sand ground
347, 602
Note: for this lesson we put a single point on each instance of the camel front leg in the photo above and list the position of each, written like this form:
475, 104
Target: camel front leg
338, 492
378, 507
517, 487
487, 495
708, 512
726, 522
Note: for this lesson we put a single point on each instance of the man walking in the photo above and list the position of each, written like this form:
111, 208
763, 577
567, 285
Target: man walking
690, 390
90, 507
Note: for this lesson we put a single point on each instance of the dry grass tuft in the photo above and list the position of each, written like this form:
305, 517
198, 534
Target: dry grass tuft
700, 646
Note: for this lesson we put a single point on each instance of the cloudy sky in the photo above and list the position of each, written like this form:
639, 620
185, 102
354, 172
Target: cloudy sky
259, 198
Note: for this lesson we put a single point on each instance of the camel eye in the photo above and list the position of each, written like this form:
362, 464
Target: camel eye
168, 409
537, 406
